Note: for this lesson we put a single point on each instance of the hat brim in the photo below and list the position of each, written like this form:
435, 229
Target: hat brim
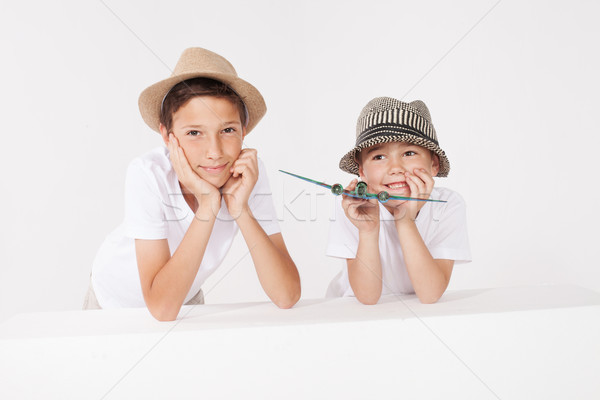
151, 98
348, 162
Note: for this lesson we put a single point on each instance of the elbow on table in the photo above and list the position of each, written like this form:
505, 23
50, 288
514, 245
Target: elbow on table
429, 298
288, 300
369, 300
162, 312
164, 317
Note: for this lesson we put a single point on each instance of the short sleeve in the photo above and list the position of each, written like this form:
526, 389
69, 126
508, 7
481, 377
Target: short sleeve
450, 239
261, 202
144, 211
343, 235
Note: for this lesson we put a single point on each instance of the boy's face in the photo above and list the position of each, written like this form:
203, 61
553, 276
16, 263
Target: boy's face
210, 132
383, 166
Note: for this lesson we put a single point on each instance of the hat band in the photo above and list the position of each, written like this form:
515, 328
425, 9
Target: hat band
385, 130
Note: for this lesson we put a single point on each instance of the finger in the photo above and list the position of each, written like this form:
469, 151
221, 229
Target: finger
426, 178
421, 185
355, 208
180, 158
352, 185
183, 161
243, 167
429, 182
247, 157
170, 145
174, 155
247, 162
248, 153
173, 146
412, 184
180, 162
347, 200
238, 169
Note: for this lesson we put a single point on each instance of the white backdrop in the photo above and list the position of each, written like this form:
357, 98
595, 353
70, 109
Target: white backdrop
512, 88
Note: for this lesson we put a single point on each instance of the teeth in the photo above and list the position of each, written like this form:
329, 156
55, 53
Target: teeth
397, 185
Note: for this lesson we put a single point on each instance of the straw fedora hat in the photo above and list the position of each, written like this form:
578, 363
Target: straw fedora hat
196, 62
384, 120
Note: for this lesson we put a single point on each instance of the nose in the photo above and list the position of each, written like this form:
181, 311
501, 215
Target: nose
214, 148
397, 166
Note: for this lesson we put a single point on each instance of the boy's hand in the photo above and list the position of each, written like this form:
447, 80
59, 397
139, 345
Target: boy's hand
421, 185
244, 174
207, 196
364, 214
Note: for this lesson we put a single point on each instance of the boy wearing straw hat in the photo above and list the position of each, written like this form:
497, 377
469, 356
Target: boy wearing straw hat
400, 246
185, 201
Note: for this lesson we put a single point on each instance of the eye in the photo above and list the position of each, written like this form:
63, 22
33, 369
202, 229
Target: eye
378, 157
229, 130
409, 153
194, 133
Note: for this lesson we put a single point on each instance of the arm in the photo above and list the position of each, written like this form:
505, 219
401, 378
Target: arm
166, 280
364, 271
429, 276
276, 271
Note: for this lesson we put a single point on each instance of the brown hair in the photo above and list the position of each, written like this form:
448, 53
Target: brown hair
184, 91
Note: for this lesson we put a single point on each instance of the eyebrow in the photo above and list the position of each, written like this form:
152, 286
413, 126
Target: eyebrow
192, 126
372, 149
199, 126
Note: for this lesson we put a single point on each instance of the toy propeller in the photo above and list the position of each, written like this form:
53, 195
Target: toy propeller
360, 192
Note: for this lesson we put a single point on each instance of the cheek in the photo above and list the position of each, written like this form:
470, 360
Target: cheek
233, 148
423, 163
194, 150
188, 149
370, 174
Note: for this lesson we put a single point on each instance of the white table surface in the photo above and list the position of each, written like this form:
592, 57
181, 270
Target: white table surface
535, 342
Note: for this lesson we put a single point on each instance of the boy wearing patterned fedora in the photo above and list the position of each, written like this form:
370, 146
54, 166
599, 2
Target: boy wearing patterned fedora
401, 246
185, 201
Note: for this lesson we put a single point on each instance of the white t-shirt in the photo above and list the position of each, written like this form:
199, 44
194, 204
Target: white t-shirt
156, 209
443, 227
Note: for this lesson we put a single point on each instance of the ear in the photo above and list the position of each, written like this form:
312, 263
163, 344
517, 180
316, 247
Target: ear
361, 174
435, 164
244, 133
357, 159
164, 134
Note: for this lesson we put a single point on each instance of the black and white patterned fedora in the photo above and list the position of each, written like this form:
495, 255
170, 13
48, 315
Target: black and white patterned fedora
384, 120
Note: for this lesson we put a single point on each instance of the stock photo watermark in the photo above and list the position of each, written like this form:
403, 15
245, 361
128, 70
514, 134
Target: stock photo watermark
299, 205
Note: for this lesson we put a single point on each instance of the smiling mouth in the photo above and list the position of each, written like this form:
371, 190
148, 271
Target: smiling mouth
396, 185
214, 170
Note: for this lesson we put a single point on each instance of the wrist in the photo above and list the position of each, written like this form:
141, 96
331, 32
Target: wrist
206, 215
369, 234
405, 216
209, 205
207, 197
405, 223
243, 217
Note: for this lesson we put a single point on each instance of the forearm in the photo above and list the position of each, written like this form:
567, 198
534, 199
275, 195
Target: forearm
275, 269
364, 271
172, 283
427, 276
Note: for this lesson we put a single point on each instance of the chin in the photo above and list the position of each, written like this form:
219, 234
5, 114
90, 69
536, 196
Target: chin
217, 181
221, 182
